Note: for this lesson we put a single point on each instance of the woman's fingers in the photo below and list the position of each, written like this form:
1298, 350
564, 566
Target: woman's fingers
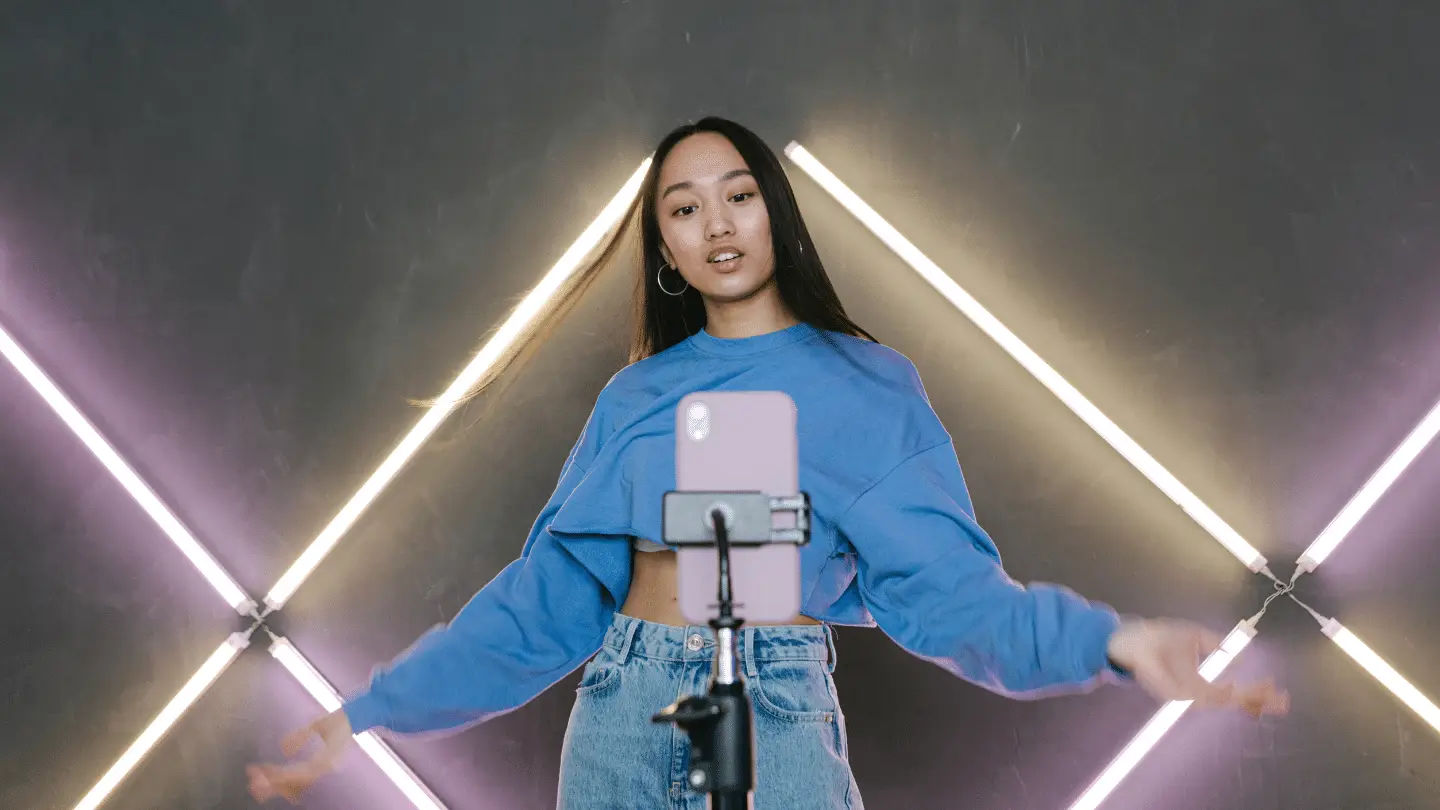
289, 781
260, 787
1263, 698
1165, 656
1212, 695
1255, 699
271, 781
286, 782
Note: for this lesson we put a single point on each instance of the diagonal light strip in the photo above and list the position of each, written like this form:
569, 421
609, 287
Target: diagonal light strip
1161, 722
1336, 533
203, 560
226, 586
223, 583
208, 673
1338, 530
209, 567
1370, 494
1049, 377
1382, 672
329, 699
495, 348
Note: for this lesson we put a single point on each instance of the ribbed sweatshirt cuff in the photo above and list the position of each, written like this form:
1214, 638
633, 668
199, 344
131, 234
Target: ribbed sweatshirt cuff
365, 711
1094, 640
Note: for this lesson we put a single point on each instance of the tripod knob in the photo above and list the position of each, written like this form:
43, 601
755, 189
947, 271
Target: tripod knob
689, 712
721, 739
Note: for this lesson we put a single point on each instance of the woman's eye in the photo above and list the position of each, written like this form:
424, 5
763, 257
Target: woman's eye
742, 196
683, 210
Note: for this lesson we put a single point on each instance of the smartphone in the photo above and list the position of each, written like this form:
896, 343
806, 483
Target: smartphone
739, 441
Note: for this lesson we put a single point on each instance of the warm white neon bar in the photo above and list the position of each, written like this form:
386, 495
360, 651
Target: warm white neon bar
1068, 394
325, 694
493, 350
1370, 494
1383, 672
228, 589
1161, 722
153, 733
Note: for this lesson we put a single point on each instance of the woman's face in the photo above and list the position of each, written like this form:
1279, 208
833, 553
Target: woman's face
714, 228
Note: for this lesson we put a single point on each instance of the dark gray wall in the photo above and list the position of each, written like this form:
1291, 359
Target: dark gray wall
242, 233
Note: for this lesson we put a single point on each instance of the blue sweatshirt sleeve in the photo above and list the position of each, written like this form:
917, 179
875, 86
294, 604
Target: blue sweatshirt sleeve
932, 580
541, 617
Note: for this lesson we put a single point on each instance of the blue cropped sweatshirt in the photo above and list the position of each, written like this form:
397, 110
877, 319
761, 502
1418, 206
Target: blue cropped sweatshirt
894, 540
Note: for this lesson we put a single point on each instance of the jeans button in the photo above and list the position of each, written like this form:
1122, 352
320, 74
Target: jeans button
695, 642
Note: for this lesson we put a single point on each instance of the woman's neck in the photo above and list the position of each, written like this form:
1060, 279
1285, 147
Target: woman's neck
759, 314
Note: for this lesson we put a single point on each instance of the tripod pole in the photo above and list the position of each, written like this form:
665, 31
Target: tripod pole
733, 763
719, 723
733, 735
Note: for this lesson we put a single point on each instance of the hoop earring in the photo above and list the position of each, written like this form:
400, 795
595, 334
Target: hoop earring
661, 284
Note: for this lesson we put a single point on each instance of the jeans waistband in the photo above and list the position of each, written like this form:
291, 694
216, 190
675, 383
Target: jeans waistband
629, 636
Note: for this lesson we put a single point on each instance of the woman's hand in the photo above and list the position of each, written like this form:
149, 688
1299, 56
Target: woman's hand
1164, 655
289, 781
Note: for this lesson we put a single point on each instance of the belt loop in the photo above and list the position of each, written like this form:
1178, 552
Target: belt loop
631, 627
750, 669
830, 646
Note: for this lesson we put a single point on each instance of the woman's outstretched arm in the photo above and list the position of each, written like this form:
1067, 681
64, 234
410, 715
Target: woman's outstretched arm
932, 579
541, 617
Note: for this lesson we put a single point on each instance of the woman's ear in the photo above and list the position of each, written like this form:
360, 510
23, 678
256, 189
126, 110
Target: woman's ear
665, 254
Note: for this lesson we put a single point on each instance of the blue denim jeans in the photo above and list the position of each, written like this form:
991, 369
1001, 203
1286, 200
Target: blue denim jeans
615, 758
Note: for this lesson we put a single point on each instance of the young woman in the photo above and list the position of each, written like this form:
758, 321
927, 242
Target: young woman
733, 296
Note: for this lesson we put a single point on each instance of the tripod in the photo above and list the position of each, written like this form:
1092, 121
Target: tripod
720, 723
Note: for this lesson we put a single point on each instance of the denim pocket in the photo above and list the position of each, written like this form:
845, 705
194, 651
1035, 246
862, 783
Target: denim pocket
600, 674
794, 690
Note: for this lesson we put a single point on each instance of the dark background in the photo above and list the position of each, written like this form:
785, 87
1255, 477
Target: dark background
241, 234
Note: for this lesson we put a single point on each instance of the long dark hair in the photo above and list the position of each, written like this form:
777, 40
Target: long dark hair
662, 320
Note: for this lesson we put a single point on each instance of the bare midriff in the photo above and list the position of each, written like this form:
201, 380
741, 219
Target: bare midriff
652, 590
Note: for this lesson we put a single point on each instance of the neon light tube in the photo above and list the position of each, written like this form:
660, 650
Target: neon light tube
1370, 494
1383, 672
208, 673
492, 351
221, 581
1068, 394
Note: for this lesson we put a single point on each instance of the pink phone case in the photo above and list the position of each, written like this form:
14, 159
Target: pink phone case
740, 441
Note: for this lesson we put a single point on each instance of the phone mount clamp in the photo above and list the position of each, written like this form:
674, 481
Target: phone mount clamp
720, 723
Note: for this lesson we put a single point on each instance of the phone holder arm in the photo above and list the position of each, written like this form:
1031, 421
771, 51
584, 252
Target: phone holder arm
749, 518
